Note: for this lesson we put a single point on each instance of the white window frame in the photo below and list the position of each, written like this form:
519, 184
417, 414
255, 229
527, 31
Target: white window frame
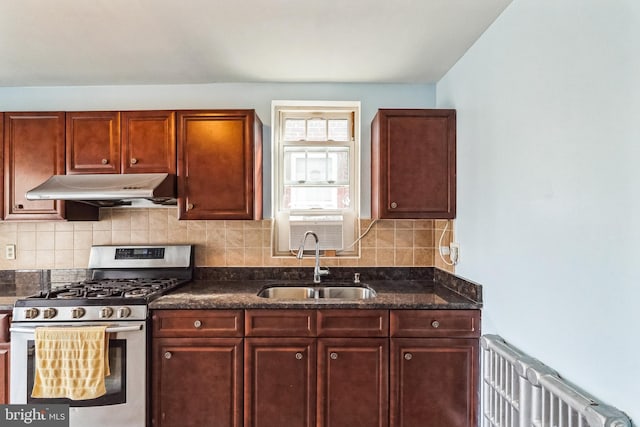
280, 228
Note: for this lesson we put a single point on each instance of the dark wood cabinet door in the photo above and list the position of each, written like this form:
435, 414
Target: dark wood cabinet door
434, 382
280, 382
33, 152
353, 382
4, 373
93, 142
197, 382
413, 164
5, 347
148, 142
219, 165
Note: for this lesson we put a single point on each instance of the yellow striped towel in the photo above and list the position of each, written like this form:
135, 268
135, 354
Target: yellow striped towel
71, 362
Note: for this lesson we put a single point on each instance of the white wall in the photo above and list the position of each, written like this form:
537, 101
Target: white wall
548, 221
256, 96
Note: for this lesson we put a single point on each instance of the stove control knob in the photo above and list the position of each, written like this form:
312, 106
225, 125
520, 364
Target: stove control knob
31, 313
77, 312
49, 313
106, 312
124, 312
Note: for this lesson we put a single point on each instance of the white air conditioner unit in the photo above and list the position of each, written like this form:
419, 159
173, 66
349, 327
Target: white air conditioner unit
327, 227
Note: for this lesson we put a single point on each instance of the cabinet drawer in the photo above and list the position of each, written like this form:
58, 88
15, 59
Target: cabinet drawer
435, 323
280, 323
198, 323
353, 323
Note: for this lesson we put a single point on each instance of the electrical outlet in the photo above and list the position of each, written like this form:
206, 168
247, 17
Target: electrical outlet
10, 251
454, 255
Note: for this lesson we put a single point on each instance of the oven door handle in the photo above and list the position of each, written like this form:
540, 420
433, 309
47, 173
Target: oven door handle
111, 329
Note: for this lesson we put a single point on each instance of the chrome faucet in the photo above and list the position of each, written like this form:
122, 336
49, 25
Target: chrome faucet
317, 271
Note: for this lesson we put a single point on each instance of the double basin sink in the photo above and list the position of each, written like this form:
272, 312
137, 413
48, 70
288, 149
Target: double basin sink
311, 292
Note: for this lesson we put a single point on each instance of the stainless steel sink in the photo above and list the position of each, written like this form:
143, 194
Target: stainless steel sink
288, 292
320, 292
346, 292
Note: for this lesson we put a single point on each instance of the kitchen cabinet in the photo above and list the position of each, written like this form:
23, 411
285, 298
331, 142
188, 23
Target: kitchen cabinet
120, 142
219, 165
413, 164
197, 368
338, 379
280, 382
148, 142
434, 367
93, 142
5, 347
325, 367
33, 152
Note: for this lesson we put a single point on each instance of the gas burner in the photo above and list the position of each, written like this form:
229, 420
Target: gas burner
136, 293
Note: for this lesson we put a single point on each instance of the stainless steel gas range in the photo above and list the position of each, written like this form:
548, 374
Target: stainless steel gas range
124, 279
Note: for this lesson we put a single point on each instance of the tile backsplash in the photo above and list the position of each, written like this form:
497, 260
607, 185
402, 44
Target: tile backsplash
61, 245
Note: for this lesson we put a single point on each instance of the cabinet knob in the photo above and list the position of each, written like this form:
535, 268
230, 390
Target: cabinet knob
435, 324
394, 205
197, 324
134, 161
299, 356
408, 356
333, 355
19, 206
190, 206
168, 355
105, 161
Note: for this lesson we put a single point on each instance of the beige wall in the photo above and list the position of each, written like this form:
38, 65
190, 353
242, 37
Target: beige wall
49, 245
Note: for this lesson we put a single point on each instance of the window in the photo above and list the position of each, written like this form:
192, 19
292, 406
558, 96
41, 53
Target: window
316, 159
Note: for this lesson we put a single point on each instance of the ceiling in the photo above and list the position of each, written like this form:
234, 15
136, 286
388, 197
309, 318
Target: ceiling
119, 42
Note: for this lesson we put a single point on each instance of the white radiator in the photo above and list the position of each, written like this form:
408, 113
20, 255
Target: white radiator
520, 391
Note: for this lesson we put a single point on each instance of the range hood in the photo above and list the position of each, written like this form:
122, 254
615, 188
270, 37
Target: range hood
104, 190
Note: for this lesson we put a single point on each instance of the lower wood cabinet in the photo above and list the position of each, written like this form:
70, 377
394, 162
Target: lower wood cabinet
434, 367
5, 347
198, 382
353, 382
197, 378
280, 382
322, 368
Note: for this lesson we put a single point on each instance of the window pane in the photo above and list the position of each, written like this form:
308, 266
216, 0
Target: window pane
294, 130
338, 130
316, 197
316, 130
316, 165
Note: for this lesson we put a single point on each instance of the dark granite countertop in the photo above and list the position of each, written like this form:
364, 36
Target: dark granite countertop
407, 288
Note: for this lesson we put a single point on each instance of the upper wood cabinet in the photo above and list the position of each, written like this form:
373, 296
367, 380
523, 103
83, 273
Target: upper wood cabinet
413, 164
93, 142
148, 142
33, 152
121, 142
219, 165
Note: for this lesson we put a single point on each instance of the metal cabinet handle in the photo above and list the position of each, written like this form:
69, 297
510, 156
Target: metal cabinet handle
134, 161
105, 161
408, 356
19, 206
394, 205
168, 355
197, 324
333, 355
299, 356
435, 324
190, 206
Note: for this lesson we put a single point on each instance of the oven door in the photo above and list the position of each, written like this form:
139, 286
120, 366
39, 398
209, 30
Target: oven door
123, 405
